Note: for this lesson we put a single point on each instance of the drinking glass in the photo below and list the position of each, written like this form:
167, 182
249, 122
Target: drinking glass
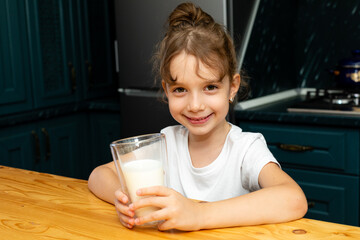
140, 162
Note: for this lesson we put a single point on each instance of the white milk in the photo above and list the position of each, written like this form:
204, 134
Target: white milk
140, 174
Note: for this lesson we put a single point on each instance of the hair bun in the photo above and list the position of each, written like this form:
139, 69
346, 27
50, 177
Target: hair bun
188, 14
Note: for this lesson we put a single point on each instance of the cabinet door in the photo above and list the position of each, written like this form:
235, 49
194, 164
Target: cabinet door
331, 197
55, 70
15, 94
20, 147
320, 148
105, 128
97, 40
62, 142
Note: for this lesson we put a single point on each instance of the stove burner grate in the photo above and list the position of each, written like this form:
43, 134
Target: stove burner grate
334, 97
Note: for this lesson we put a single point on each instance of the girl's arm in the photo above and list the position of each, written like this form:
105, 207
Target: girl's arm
103, 182
279, 200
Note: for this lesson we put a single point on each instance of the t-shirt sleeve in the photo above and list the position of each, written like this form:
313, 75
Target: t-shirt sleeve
256, 157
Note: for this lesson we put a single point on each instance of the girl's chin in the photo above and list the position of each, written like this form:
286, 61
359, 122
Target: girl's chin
206, 128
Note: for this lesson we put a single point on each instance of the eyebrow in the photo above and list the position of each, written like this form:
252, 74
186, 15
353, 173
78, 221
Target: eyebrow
215, 81
173, 81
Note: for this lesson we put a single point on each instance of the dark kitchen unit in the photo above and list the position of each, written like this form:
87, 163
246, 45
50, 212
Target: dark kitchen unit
300, 58
138, 30
57, 85
315, 136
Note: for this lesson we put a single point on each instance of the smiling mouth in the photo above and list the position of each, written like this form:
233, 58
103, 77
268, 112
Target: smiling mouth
199, 120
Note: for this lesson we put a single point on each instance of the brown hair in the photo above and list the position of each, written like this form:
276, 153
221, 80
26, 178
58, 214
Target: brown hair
192, 30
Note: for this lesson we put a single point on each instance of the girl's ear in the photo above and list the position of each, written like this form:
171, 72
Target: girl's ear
163, 84
234, 86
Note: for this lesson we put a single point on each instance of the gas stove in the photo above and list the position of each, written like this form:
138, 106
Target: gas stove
329, 101
338, 102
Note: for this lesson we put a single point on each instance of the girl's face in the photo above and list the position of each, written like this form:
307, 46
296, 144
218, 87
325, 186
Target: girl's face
198, 99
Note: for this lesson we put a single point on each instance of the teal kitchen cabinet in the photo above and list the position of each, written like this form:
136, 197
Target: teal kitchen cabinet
331, 197
15, 84
52, 146
71, 50
105, 128
54, 56
54, 52
325, 163
64, 143
55, 70
320, 148
20, 147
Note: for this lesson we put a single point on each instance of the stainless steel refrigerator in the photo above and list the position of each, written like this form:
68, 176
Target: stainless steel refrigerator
139, 27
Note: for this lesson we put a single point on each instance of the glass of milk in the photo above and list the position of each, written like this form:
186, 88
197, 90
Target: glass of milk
140, 162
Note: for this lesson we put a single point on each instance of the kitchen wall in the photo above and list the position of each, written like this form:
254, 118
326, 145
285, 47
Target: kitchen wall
295, 43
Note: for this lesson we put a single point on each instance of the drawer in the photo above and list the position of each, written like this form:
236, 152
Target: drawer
331, 197
323, 148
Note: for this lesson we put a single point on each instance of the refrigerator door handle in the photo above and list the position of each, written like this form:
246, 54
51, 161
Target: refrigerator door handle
139, 92
116, 56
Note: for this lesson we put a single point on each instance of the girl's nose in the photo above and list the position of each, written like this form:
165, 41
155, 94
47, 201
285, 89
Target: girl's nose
195, 103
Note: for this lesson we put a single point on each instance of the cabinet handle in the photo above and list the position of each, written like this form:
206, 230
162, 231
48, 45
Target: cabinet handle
37, 146
295, 148
72, 76
311, 204
47, 143
90, 75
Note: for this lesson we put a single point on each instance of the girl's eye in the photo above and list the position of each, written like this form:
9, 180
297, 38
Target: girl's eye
179, 90
211, 88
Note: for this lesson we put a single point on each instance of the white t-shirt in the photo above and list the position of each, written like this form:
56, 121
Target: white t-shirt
233, 173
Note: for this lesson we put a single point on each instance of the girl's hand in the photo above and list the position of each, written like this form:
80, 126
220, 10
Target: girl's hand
126, 215
177, 211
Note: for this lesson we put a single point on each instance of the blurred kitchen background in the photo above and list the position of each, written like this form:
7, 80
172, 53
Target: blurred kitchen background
71, 74
295, 43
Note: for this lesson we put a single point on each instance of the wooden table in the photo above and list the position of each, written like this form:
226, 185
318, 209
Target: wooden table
36, 205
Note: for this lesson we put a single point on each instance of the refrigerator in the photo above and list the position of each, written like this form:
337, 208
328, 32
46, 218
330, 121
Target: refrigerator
140, 25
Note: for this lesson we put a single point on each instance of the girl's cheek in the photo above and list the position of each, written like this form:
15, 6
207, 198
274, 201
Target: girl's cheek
175, 103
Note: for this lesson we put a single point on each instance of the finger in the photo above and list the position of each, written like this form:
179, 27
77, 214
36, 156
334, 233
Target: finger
153, 201
124, 209
165, 225
125, 220
153, 216
154, 190
121, 196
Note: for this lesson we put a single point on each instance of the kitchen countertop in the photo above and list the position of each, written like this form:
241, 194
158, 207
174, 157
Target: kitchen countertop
274, 109
108, 105
37, 205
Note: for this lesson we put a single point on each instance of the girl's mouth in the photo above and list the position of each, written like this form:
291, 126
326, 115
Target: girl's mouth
200, 120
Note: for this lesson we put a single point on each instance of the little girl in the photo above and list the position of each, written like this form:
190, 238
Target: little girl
233, 173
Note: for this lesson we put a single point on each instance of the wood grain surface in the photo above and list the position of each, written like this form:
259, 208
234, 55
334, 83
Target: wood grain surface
36, 205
